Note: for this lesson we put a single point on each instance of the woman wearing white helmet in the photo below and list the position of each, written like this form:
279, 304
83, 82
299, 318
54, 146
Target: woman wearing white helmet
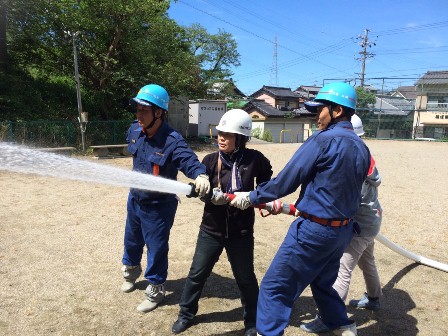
231, 169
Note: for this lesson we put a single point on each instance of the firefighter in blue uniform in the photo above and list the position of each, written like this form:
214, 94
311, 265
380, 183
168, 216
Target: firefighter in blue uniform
330, 167
157, 149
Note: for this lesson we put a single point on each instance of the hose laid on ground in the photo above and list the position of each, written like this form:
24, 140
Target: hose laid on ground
405, 253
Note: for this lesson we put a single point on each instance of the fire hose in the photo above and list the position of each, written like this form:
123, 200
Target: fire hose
290, 209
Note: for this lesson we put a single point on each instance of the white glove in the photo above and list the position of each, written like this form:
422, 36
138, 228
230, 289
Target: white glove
202, 185
219, 198
241, 200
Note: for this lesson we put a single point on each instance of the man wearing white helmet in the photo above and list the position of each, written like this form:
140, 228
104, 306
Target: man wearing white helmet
157, 149
360, 250
231, 169
330, 168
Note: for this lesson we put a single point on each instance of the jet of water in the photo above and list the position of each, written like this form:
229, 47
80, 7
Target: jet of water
20, 159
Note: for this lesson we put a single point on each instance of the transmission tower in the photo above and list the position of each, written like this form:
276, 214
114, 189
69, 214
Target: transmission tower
364, 43
274, 70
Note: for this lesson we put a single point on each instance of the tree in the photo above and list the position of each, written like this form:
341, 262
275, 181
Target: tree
215, 53
122, 45
365, 99
3, 53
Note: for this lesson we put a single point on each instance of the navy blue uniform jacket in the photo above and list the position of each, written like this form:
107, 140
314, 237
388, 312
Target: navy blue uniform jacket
163, 154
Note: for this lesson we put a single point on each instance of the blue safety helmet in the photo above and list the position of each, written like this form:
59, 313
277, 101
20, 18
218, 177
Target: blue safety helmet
151, 94
338, 92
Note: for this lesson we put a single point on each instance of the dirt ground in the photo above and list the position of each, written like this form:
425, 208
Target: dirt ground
61, 247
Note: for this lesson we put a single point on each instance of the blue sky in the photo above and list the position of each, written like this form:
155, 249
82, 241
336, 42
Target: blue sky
318, 40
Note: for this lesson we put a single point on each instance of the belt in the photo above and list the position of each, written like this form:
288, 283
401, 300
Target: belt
323, 221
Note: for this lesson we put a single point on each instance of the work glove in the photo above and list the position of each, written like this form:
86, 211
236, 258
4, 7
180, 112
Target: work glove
202, 185
277, 207
219, 198
241, 200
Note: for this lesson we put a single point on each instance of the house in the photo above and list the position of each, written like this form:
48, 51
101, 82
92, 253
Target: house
225, 90
370, 88
307, 92
229, 91
280, 111
390, 117
279, 97
431, 117
407, 92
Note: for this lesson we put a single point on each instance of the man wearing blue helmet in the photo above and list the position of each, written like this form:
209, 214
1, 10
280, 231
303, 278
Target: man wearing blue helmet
330, 167
157, 149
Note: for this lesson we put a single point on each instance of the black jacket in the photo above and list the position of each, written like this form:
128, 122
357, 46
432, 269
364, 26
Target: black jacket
224, 220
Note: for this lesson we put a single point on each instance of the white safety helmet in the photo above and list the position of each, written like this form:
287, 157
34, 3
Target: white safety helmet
236, 121
357, 125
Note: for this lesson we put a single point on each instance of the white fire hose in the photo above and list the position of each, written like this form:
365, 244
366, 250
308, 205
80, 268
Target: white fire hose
405, 253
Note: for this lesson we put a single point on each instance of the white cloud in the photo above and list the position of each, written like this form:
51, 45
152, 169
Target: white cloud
433, 42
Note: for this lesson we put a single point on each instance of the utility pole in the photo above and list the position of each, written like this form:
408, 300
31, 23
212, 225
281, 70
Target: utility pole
82, 118
364, 43
274, 69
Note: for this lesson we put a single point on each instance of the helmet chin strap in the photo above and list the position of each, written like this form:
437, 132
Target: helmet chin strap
330, 110
154, 119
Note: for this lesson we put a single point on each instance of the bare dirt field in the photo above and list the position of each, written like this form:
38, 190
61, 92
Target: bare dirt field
61, 248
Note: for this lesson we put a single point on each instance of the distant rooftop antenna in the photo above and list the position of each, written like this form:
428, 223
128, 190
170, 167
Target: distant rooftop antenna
274, 70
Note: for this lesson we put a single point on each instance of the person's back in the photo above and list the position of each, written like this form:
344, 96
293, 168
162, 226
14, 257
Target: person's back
332, 189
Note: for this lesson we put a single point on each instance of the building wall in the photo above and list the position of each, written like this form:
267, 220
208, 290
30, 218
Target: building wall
178, 114
294, 130
268, 99
204, 117
256, 115
434, 123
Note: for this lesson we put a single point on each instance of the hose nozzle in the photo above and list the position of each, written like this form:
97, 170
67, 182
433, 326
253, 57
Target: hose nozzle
193, 193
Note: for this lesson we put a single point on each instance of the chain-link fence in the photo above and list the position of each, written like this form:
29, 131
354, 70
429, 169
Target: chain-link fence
377, 124
63, 133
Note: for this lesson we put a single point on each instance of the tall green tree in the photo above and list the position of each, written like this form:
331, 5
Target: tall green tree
122, 45
216, 53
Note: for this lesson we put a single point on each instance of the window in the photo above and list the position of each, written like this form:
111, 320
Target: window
437, 102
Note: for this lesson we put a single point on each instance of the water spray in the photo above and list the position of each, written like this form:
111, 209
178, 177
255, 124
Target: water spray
290, 209
19, 159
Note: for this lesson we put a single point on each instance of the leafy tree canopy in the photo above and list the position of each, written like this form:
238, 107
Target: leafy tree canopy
121, 46
365, 98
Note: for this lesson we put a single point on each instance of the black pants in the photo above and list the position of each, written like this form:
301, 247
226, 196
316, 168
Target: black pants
240, 252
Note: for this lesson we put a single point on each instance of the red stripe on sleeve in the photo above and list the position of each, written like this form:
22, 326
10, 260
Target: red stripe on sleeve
372, 166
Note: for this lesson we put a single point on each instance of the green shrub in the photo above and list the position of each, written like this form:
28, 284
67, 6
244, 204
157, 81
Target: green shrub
256, 132
267, 136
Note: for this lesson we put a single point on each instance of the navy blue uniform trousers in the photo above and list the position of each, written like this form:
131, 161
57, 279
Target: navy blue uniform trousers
309, 255
149, 224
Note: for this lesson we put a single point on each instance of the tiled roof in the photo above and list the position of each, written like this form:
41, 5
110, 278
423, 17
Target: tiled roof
269, 111
277, 92
389, 105
434, 77
309, 88
408, 92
